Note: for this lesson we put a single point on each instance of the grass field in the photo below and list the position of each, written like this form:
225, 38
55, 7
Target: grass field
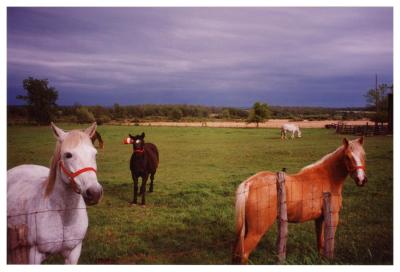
189, 219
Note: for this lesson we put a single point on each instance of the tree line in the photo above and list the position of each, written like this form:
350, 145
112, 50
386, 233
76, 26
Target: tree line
41, 108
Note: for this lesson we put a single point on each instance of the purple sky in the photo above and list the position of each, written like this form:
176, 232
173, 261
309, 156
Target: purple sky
211, 56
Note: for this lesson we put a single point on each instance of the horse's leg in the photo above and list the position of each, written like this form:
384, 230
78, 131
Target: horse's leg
249, 244
135, 188
151, 182
35, 256
143, 188
292, 135
335, 222
319, 227
72, 256
320, 234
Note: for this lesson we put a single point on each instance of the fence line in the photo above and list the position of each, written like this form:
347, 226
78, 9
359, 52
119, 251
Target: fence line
288, 200
366, 130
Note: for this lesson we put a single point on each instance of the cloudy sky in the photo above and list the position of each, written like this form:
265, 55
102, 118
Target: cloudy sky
211, 56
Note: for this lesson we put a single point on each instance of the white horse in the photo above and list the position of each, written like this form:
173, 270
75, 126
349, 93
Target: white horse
51, 202
290, 128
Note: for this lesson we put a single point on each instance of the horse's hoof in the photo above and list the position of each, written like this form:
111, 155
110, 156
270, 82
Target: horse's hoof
131, 203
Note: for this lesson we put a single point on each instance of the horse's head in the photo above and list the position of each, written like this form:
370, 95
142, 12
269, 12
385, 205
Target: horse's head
77, 162
138, 143
354, 158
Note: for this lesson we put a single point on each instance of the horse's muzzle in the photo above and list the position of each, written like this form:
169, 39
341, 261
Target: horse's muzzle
93, 195
361, 183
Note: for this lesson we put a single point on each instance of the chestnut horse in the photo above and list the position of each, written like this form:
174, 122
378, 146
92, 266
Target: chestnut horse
256, 197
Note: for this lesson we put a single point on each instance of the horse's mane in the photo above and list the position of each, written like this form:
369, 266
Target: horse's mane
73, 139
53, 169
323, 159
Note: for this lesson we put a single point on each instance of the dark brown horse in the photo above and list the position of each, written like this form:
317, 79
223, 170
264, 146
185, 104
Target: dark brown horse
97, 136
144, 163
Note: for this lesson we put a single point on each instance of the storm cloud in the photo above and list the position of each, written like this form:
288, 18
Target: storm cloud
211, 56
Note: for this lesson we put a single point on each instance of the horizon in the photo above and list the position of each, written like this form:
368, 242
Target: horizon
222, 57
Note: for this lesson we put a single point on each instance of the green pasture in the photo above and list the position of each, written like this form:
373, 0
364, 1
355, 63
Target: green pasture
189, 218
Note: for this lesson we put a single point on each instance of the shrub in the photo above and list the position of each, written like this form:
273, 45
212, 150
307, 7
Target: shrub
83, 115
103, 119
175, 114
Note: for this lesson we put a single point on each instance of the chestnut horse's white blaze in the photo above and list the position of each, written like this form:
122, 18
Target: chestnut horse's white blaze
256, 197
51, 202
290, 128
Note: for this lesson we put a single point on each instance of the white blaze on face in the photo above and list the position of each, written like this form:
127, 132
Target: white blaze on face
360, 171
137, 141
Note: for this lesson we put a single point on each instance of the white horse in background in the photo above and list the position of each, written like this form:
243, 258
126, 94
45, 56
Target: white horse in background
51, 202
290, 128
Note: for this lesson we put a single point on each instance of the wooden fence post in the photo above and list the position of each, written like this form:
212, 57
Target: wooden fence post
17, 244
282, 217
329, 236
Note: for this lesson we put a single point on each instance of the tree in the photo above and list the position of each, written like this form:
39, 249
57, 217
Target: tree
259, 113
378, 99
118, 111
41, 100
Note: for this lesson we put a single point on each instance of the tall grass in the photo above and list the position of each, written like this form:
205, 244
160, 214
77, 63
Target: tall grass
189, 219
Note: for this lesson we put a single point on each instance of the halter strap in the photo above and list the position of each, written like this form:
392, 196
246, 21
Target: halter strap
139, 150
72, 175
355, 168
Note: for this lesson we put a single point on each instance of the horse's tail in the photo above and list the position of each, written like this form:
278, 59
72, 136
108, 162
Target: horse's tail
242, 193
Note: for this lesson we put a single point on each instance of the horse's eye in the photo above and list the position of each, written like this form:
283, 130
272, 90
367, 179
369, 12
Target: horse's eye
68, 155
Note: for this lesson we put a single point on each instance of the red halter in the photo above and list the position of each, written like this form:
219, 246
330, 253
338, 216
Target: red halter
72, 175
355, 168
139, 150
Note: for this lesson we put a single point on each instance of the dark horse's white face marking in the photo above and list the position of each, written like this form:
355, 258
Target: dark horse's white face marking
138, 141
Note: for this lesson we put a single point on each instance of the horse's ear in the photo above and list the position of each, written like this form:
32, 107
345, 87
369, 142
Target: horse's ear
142, 135
58, 133
361, 140
91, 130
345, 142
131, 136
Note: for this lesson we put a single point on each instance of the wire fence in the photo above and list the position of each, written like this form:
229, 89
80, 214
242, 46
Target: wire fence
299, 198
24, 240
